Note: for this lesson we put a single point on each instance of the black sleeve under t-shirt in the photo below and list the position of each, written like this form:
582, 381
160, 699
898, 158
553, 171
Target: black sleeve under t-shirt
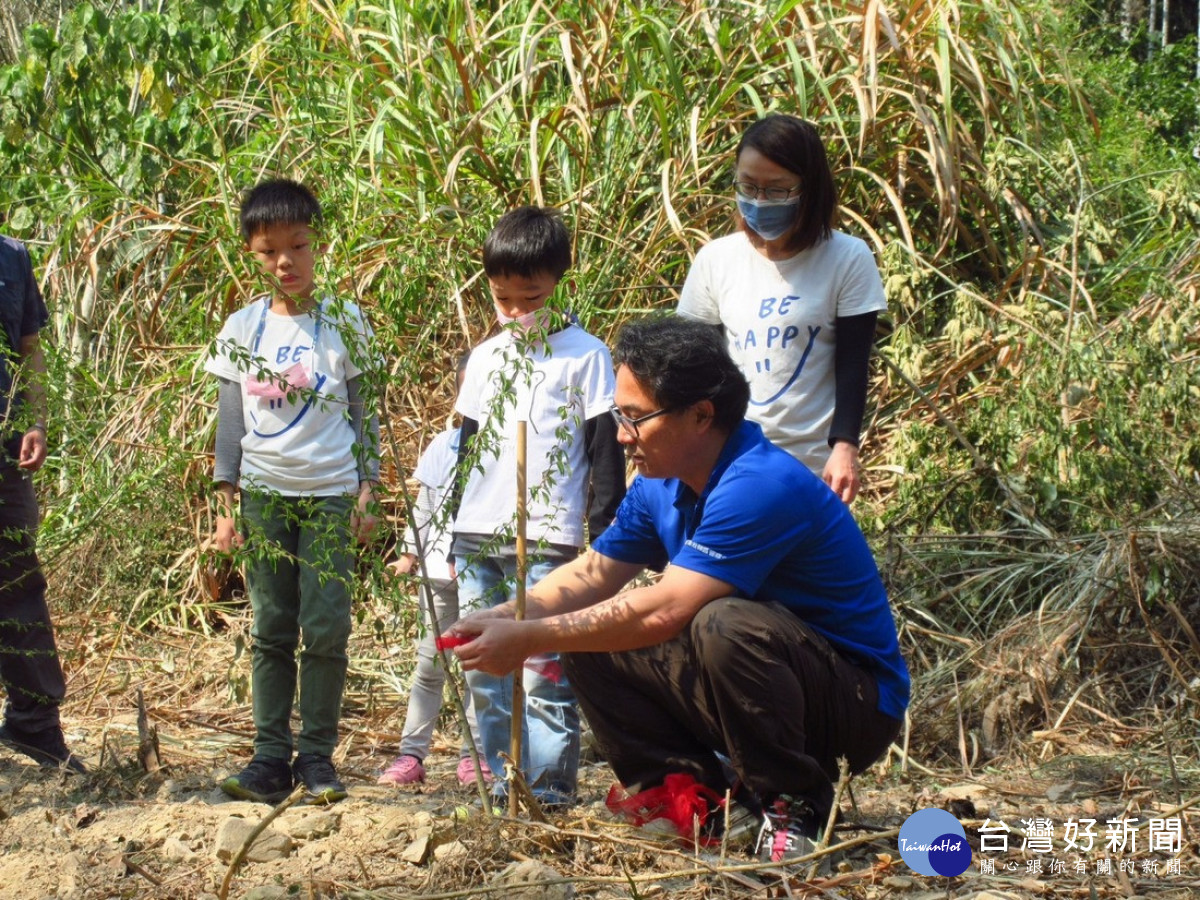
854, 338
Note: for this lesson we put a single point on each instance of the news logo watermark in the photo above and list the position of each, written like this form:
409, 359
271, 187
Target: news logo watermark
933, 842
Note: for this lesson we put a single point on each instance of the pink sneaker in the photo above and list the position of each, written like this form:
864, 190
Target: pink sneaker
466, 771
405, 770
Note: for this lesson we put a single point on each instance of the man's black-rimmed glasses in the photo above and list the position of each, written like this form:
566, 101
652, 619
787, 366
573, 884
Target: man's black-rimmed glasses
631, 425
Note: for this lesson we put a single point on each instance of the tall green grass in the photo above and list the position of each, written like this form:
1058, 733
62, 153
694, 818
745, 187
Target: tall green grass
1036, 365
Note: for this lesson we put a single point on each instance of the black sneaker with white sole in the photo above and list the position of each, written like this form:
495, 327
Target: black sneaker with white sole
319, 777
267, 779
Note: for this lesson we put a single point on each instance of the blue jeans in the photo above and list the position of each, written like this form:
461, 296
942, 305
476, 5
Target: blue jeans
550, 732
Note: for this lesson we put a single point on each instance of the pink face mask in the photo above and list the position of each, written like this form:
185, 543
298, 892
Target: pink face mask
274, 387
537, 318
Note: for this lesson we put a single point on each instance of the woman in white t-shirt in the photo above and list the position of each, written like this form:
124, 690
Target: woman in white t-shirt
796, 299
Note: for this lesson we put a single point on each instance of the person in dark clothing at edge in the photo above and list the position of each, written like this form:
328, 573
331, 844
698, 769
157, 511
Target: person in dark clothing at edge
30, 671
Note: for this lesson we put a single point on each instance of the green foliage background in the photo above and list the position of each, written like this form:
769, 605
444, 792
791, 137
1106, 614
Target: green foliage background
1037, 240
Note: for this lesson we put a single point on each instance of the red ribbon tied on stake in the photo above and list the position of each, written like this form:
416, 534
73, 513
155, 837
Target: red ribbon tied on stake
449, 641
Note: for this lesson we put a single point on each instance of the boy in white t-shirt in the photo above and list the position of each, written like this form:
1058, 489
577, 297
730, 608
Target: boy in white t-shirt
439, 589
543, 369
295, 435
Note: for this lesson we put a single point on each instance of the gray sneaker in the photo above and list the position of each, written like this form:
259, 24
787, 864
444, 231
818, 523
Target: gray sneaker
738, 831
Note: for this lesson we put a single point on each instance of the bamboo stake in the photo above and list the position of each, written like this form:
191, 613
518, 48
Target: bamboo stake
518, 691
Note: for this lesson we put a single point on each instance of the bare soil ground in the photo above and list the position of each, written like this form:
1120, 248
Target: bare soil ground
123, 832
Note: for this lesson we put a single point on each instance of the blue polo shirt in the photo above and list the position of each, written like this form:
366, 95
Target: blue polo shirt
768, 526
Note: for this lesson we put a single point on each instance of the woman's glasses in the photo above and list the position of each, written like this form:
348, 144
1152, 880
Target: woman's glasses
750, 191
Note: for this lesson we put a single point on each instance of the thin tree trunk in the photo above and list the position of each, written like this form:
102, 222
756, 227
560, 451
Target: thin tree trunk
1127, 20
1151, 24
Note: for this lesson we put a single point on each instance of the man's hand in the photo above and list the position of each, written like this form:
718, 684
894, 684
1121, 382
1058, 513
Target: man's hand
841, 471
465, 629
498, 646
33, 449
32, 379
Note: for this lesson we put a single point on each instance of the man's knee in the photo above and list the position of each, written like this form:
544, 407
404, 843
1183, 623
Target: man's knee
723, 627
717, 611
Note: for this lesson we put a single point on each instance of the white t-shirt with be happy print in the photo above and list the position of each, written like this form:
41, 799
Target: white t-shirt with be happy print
779, 318
298, 442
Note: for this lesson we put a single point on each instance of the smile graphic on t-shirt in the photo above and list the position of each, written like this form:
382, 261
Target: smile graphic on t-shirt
778, 343
310, 397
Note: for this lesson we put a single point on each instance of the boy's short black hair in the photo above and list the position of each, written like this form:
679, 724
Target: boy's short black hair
527, 241
681, 362
278, 201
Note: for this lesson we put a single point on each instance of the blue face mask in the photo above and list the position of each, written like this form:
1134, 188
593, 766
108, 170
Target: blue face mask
769, 219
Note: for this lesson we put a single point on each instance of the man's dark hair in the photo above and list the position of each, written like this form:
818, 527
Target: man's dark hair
795, 145
528, 241
681, 362
278, 202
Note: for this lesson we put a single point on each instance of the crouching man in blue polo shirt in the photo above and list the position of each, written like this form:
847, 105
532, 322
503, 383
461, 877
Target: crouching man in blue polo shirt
768, 640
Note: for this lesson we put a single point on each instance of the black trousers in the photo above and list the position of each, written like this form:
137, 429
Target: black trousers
30, 672
745, 679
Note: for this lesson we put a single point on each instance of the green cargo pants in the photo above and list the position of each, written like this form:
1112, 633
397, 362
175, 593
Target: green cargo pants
299, 573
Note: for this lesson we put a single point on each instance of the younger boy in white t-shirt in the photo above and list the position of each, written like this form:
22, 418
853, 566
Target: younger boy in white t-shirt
296, 436
439, 590
545, 370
